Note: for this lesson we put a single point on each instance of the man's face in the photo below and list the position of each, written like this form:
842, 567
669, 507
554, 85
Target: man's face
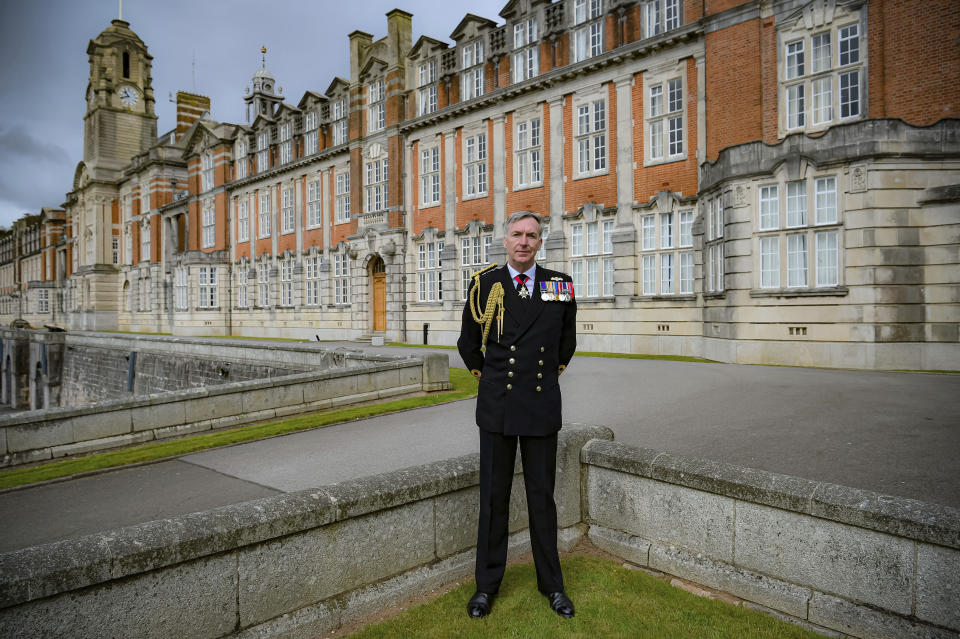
522, 242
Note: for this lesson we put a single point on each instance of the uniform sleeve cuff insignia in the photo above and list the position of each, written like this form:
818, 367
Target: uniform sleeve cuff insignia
476, 373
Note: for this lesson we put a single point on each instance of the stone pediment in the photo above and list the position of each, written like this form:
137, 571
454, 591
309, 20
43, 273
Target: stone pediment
470, 27
311, 98
373, 68
426, 47
338, 85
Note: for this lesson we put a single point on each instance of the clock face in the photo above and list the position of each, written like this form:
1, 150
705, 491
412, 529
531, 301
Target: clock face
129, 96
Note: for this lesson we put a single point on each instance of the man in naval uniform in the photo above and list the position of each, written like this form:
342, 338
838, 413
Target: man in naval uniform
525, 315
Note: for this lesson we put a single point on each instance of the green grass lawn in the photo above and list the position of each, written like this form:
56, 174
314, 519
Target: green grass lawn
464, 386
611, 601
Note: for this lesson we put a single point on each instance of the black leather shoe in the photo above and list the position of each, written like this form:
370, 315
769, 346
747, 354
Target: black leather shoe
480, 604
561, 604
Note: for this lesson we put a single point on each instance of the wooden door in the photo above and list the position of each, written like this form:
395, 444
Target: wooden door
379, 301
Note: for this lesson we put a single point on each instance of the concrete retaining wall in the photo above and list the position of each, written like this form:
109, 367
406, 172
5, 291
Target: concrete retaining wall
47, 434
850, 560
293, 565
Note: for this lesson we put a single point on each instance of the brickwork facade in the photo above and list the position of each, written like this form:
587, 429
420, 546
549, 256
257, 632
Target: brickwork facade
696, 162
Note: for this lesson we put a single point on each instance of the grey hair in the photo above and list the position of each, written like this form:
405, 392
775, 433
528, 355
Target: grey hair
519, 215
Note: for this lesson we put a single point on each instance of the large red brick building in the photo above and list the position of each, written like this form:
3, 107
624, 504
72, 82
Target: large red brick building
773, 182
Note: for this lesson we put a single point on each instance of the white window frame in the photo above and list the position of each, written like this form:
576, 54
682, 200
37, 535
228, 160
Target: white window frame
243, 219
376, 106
474, 255
311, 280
340, 124
821, 75
528, 152
266, 214
587, 37
287, 215
591, 127
243, 300
240, 159
427, 87
806, 243
475, 169
207, 287
286, 142
311, 138
342, 196
591, 258
429, 272
286, 282
525, 59
429, 176
472, 67
263, 151
666, 116
341, 279
181, 288
208, 223
314, 203
263, 284
206, 171
660, 16
376, 185
145, 240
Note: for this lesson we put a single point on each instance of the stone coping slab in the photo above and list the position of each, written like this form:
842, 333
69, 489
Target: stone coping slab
932, 523
153, 399
45, 570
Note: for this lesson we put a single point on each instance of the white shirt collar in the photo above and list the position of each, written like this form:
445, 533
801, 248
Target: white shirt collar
530, 273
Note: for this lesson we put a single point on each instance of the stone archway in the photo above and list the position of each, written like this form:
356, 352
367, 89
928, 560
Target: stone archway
377, 271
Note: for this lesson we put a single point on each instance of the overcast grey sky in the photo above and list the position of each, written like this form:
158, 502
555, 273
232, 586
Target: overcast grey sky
210, 47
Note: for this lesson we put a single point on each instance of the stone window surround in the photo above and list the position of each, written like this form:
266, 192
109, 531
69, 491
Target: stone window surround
661, 76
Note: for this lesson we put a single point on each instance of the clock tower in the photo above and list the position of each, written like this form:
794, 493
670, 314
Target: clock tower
120, 121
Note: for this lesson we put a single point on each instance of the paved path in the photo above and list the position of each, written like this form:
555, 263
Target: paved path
896, 433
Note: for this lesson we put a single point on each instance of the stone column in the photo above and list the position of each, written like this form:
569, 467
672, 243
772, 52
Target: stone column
556, 242
624, 235
498, 177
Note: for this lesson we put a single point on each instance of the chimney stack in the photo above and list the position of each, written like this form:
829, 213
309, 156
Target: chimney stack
190, 108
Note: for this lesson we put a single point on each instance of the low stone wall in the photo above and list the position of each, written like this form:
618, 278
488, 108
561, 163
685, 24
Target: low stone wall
850, 560
47, 434
293, 565
302, 564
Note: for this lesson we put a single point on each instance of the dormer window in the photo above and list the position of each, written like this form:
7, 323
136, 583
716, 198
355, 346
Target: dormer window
660, 16
286, 143
376, 107
427, 92
311, 140
263, 151
526, 55
339, 122
240, 160
588, 34
472, 76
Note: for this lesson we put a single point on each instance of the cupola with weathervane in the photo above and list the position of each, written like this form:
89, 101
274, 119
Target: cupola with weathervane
120, 121
265, 96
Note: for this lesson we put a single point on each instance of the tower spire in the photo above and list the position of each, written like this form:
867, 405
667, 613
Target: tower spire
263, 55
120, 9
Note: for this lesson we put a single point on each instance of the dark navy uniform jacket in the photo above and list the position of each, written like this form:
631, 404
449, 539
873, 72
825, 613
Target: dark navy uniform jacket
519, 391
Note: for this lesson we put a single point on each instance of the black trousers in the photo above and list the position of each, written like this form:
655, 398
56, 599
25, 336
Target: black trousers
497, 456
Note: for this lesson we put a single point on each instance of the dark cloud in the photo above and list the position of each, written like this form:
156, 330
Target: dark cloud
18, 145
